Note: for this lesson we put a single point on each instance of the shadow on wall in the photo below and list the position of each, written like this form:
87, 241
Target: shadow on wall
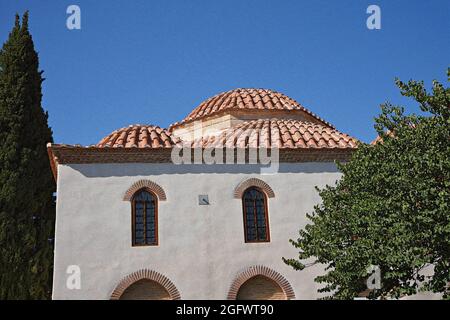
147, 169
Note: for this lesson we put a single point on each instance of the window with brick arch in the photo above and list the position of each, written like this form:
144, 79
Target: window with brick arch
256, 221
144, 218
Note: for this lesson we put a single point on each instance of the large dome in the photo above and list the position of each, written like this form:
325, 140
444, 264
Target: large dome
249, 100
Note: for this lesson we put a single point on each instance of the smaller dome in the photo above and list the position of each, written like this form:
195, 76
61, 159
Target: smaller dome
139, 136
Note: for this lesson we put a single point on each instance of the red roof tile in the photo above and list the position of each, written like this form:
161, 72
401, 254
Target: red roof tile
246, 99
139, 136
281, 133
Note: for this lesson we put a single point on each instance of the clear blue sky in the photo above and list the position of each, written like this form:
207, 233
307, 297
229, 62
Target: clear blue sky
152, 62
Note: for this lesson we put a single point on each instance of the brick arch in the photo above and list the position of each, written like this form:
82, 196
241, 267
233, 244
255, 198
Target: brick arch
253, 182
147, 184
260, 271
146, 274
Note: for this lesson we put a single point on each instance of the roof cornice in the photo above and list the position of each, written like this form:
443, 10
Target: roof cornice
66, 154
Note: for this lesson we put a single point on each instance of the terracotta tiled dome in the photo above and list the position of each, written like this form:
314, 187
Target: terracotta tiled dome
246, 99
278, 133
139, 136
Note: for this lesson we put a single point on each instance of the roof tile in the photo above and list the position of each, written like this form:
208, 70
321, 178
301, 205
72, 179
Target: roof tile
241, 98
282, 133
139, 136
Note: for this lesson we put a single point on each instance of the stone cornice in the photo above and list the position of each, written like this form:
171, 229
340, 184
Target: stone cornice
67, 154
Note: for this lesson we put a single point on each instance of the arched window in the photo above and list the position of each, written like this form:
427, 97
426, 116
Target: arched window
256, 221
145, 218
260, 282
260, 288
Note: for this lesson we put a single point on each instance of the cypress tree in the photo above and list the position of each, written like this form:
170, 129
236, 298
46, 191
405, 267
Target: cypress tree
27, 210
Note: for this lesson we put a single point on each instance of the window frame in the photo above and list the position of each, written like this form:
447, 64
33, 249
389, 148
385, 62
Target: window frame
266, 216
133, 220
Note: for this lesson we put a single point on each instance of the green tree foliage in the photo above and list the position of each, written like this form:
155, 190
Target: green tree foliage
26, 184
391, 208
